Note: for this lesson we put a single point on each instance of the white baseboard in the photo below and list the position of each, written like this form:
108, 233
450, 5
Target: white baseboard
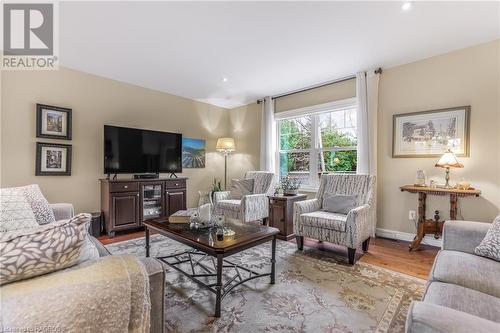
406, 236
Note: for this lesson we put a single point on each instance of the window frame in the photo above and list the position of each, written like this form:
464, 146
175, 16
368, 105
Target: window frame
314, 112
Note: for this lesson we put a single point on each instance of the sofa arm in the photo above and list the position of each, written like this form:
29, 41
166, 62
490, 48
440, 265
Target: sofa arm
463, 236
222, 195
62, 211
156, 275
255, 207
431, 318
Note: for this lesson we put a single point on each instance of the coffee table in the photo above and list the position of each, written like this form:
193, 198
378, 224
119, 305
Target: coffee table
205, 245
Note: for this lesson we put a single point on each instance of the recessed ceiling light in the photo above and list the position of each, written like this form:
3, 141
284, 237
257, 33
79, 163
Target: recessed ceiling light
224, 79
406, 6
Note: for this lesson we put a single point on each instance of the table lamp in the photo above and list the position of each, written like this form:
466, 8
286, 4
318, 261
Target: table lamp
225, 146
447, 161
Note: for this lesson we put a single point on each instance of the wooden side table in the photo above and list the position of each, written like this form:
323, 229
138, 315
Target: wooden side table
281, 213
428, 226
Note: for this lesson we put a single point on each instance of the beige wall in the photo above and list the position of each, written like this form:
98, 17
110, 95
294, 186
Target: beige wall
97, 101
244, 126
465, 77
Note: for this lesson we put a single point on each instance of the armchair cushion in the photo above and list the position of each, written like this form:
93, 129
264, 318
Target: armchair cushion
231, 205
325, 220
481, 273
339, 203
241, 187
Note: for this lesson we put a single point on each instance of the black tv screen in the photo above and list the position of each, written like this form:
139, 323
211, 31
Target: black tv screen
131, 150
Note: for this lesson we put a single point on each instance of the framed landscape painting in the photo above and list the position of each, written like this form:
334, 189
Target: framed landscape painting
53, 159
53, 122
193, 153
431, 133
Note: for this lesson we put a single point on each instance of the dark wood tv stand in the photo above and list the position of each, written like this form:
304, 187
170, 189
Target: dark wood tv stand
126, 203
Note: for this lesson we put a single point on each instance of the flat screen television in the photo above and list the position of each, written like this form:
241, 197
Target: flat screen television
132, 150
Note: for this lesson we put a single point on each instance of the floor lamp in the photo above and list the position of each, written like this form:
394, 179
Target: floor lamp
225, 146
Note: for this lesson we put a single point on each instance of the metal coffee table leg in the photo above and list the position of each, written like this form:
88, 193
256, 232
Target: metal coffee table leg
273, 261
147, 241
218, 286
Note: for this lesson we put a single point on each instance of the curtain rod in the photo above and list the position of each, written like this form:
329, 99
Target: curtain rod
346, 78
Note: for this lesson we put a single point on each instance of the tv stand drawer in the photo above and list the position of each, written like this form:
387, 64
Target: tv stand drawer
175, 183
124, 187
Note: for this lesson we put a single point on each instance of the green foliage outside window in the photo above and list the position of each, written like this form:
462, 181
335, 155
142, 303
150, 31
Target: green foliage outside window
296, 134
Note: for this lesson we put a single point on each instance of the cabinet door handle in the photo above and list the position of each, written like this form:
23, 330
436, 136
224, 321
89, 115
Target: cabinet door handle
137, 194
176, 184
125, 186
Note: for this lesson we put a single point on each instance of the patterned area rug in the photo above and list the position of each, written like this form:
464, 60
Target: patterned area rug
314, 292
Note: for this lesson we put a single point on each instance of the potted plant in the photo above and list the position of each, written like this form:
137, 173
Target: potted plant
290, 185
216, 187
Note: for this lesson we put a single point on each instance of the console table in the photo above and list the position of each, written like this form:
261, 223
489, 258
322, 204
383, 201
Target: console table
435, 226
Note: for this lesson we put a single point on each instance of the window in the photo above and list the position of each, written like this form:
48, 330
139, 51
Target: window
317, 140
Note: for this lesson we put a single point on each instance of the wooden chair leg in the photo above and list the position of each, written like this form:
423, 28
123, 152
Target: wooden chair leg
351, 255
366, 245
300, 242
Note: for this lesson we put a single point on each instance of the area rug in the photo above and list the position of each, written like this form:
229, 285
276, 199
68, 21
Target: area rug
314, 292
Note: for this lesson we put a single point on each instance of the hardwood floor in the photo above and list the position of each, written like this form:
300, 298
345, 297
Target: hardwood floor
387, 253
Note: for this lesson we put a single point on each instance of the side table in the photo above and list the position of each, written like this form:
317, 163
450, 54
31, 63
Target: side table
427, 226
281, 213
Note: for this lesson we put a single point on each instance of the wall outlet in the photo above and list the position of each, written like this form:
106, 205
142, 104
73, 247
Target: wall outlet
412, 215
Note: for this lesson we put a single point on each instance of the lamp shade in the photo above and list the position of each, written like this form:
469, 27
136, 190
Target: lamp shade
225, 145
449, 160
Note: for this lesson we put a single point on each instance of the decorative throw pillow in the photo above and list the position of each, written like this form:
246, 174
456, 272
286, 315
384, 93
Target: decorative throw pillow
339, 203
15, 211
31, 252
241, 187
39, 205
490, 245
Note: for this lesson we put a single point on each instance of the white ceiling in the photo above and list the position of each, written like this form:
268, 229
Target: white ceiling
262, 48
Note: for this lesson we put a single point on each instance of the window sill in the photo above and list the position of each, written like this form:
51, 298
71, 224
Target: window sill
308, 189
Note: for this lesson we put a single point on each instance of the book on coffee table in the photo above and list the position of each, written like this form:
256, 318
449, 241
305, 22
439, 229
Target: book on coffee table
181, 216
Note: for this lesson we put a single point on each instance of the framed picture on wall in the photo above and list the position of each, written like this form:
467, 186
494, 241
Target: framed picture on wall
193, 153
53, 122
431, 133
53, 159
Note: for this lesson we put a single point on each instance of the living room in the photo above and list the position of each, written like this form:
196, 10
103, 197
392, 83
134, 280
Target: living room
346, 155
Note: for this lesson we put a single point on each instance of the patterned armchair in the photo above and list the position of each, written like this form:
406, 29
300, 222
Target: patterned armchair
251, 207
349, 230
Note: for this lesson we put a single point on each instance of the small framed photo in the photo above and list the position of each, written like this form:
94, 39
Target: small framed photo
431, 133
53, 159
53, 122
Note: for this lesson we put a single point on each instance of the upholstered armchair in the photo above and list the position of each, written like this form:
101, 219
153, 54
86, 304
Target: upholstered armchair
251, 207
350, 230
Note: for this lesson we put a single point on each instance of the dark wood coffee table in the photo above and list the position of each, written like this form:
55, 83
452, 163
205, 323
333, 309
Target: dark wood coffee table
205, 244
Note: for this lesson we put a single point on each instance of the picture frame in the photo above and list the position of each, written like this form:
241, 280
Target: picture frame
431, 133
53, 159
193, 153
53, 122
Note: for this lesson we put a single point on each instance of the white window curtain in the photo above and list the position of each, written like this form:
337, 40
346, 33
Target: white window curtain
367, 97
268, 136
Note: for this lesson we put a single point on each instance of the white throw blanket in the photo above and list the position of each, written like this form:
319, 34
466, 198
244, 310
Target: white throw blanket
106, 295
